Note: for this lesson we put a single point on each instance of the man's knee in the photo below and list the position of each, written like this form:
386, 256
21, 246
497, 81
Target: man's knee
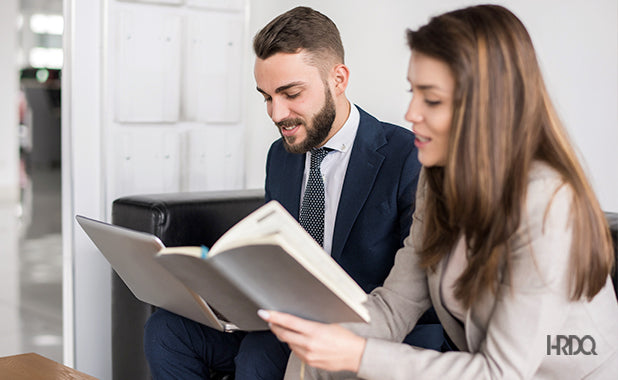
158, 329
259, 340
261, 356
160, 323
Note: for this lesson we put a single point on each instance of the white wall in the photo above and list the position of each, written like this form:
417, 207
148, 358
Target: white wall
86, 279
576, 41
138, 117
172, 99
9, 156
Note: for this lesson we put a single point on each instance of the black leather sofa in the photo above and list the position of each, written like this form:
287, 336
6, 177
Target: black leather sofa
183, 219
177, 219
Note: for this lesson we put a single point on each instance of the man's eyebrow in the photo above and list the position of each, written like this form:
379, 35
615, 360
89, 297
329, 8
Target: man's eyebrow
288, 86
281, 88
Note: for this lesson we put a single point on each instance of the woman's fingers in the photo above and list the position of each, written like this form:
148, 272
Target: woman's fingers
327, 346
286, 327
289, 321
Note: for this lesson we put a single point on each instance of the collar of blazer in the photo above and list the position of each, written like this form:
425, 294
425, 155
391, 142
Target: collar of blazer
365, 163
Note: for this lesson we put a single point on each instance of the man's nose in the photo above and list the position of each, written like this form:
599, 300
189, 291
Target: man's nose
279, 110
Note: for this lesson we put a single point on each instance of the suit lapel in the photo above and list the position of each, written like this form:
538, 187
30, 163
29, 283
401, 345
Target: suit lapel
449, 323
363, 167
292, 177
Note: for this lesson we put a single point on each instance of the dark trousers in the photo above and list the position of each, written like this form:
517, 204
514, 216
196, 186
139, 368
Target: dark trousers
179, 348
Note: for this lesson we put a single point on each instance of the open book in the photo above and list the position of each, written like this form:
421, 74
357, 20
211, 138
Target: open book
266, 261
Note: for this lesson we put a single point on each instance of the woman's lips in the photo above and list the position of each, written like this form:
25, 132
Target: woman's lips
421, 141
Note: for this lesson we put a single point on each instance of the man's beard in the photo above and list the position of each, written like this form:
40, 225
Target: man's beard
321, 125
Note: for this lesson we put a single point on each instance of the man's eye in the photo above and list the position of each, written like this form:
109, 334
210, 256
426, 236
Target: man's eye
292, 96
267, 99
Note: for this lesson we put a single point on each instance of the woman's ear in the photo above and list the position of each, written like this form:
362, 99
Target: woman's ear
341, 75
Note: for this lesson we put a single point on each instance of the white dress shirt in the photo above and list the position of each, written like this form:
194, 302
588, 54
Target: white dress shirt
333, 168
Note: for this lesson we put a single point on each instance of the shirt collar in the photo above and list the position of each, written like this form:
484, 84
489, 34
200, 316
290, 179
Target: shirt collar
344, 138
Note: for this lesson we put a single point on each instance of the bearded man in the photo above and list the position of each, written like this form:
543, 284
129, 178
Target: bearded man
366, 177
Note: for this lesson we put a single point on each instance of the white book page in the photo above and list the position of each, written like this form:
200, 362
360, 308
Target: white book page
273, 224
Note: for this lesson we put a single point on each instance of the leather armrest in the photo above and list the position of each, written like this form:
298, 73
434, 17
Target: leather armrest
186, 218
177, 219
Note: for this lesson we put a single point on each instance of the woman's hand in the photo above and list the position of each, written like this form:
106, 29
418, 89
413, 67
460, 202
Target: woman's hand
326, 346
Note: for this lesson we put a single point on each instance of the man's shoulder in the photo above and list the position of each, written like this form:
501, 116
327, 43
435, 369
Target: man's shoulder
277, 155
394, 137
277, 147
389, 129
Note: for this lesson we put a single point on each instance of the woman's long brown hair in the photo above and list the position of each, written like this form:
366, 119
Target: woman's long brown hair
503, 120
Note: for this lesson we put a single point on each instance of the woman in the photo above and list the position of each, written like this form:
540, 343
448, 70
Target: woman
508, 243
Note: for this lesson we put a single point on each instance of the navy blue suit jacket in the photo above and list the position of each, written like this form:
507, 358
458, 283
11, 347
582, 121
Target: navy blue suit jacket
377, 198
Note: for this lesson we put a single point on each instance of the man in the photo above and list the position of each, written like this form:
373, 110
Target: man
365, 181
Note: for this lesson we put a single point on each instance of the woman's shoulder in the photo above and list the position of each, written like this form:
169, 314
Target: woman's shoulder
547, 208
540, 248
546, 186
541, 171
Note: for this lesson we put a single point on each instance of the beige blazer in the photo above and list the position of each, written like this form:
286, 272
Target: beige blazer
504, 336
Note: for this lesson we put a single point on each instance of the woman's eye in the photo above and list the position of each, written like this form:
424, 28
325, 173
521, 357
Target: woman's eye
433, 103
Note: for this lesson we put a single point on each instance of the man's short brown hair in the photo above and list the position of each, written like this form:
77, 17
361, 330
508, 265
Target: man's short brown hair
299, 29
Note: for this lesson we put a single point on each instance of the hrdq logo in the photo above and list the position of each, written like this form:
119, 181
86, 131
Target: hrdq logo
572, 345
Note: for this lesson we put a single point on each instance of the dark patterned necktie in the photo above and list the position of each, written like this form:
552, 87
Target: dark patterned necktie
312, 208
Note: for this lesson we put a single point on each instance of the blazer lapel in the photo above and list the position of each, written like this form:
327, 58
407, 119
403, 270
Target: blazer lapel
364, 165
449, 323
292, 178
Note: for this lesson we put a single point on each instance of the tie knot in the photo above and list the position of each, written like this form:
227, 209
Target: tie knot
317, 155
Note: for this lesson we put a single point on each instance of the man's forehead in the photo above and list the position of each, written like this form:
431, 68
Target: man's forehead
278, 73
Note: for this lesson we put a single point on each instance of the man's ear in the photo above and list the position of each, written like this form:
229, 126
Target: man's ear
341, 75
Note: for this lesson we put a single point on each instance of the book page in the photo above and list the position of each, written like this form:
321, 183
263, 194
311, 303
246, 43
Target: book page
252, 227
185, 250
273, 224
240, 281
215, 287
275, 280
132, 255
331, 274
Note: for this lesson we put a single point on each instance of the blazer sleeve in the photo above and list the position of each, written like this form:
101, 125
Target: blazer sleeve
510, 327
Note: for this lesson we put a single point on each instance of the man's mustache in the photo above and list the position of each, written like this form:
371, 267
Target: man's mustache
289, 122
